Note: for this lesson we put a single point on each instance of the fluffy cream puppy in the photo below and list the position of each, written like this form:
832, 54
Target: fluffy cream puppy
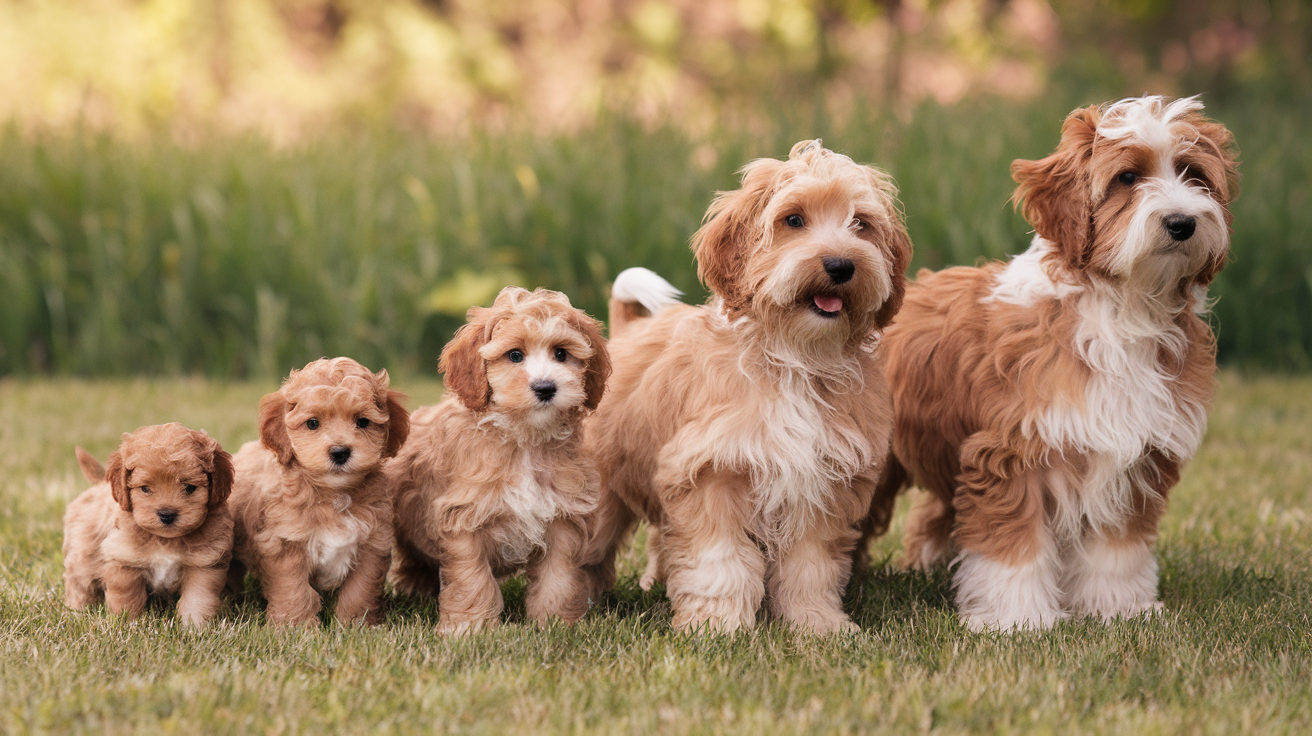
312, 508
495, 478
750, 431
155, 521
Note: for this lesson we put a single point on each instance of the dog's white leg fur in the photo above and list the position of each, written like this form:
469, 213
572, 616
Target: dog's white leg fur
1111, 578
646, 287
722, 588
998, 596
806, 584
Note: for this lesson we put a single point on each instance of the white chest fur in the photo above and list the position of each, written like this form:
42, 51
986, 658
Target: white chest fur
163, 572
794, 448
1131, 408
332, 551
530, 505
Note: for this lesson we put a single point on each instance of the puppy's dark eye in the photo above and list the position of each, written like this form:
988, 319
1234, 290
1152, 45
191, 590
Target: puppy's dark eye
312, 424
1127, 178
859, 224
516, 356
189, 489
144, 489
794, 221
561, 355
362, 423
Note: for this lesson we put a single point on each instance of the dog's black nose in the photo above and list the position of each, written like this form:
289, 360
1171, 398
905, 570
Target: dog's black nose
1181, 227
167, 516
840, 270
339, 453
543, 389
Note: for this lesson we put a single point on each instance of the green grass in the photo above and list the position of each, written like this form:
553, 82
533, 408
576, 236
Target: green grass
232, 258
1232, 655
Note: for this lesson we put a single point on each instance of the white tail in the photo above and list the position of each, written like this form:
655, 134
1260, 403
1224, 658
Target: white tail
644, 286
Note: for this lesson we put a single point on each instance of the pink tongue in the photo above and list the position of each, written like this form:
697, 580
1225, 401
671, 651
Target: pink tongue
829, 303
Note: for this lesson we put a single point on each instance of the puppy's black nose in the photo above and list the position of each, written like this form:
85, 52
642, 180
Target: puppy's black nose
543, 389
167, 516
339, 453
840, 270
1181, 227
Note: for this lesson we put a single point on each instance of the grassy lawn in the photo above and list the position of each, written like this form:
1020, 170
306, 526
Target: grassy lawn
1232, 655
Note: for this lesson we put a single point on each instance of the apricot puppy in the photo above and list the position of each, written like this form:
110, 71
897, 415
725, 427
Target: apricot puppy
313, 513
495, 478
750, 431
155, 522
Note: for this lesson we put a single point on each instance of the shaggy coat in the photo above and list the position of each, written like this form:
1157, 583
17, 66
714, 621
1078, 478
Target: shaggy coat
155, 521
312, 507
1047, 404
750, 432
495, 478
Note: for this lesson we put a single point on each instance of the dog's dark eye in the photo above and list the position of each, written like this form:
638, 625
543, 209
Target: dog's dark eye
362, 423
312, 424
859, 224
189, 489
794, 221
516, 356
1127, 178
144, 489
561, 355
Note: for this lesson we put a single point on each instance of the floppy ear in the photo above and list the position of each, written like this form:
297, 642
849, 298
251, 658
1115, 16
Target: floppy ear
598, 367
730, 230
116, 475
218, 465
898, 244
398, 420
1221, 165
465, 371
273, 428
1053, 193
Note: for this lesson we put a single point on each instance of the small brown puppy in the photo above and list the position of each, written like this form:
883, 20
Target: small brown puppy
496, 478
155, 522
313, 514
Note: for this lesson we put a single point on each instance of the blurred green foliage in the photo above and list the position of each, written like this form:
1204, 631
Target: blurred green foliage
234, 188
237, 258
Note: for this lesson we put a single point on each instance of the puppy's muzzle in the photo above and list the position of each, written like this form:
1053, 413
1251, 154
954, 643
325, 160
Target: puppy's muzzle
1179, 227
339, 454
167, 516
543, 389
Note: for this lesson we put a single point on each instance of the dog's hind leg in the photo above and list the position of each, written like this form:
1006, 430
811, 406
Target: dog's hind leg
413, 572
893, 481
608, 527
927, 541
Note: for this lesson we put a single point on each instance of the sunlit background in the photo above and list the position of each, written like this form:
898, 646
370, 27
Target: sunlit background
234, 187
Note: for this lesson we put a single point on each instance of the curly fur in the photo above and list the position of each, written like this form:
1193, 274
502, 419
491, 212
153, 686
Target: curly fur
156, 521
495, 478
750, 431
307, 524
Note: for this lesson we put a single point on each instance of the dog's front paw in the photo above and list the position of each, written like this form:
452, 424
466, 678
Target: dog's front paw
1034, 621
711, 615
1138, 609
466, 627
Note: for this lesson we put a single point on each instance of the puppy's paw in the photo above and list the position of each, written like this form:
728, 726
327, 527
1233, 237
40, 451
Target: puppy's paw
457, 629
1138, 609
711, 615
823, 624
1037, 621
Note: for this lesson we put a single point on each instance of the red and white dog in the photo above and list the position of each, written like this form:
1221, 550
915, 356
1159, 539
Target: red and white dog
1048, 404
